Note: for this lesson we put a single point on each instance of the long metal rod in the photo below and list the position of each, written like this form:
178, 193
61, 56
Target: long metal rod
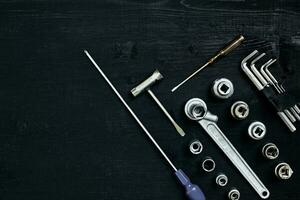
177, 127
190, 76
129, 109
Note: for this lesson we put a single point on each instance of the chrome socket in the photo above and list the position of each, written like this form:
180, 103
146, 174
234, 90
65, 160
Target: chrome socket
270, 151
208, 164
221, 180
222, 88
283, 171
234, 194
257, 130
196, 147
239, 110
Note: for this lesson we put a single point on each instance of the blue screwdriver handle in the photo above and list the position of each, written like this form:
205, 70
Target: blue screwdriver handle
192, 191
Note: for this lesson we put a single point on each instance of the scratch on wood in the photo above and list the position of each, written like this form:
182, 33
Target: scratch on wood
127, 49
295, 40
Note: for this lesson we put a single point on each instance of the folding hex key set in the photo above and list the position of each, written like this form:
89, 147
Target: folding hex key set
196, 110
262, 78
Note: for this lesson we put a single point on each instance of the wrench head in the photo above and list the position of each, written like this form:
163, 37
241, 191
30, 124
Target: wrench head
195, 109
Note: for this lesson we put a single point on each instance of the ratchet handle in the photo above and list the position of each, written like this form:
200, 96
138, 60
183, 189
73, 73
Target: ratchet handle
193, 191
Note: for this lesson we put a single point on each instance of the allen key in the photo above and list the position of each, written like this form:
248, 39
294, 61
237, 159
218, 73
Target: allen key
265, 75
263, 79
274, 79
291, 113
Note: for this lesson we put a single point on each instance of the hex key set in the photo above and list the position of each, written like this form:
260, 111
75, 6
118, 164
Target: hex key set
196, 109
263, 79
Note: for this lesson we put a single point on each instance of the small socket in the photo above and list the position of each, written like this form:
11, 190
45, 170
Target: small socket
222, 88
221, 180
208, 164
239, 110
196, 147
234, 194
257, 130
270, 151
283, 171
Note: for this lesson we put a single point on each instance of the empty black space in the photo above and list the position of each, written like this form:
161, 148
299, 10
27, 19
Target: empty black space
64, 135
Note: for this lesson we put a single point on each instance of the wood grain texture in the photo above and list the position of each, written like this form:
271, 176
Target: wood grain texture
64, 134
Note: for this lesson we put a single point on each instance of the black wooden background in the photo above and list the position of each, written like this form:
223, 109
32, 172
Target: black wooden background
65, 135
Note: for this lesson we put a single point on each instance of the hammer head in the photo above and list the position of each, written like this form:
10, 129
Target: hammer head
147, 83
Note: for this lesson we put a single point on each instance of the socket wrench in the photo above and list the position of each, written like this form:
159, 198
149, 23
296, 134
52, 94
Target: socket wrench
196, 110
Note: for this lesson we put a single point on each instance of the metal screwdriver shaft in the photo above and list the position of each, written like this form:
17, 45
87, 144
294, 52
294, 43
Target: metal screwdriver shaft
193, 191
129, 109
145, 86
177, 127
232, 45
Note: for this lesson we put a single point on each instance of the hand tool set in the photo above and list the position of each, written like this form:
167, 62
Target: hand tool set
192, 190
263, 79
196, 109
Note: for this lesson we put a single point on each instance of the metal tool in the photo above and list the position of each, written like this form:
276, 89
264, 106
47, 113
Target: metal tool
283, 171
196, 110
270, 151
208, 164
221, 180
196, 147
274, 92
145, 85
257, 130
231, 46
239, 110
193, 191
234, 194
222, 88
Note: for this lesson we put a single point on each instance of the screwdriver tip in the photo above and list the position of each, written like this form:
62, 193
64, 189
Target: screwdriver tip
175, 88
180, 131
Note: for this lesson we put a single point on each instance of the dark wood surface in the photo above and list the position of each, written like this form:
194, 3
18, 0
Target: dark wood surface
65, 135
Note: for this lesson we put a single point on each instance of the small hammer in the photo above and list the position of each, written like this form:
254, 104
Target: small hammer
145, 85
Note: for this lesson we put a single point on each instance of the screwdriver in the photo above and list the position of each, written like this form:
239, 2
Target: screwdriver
193, 191
232, 45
